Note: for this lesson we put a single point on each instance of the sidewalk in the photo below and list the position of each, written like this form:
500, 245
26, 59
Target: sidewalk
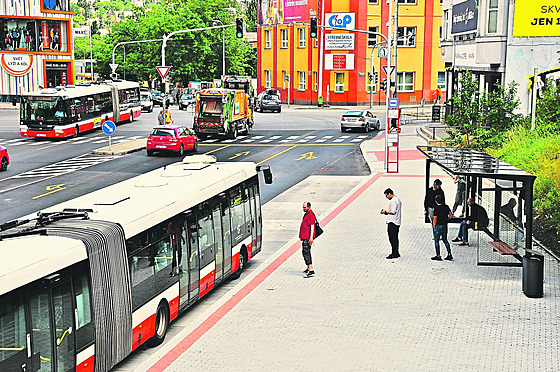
362, 312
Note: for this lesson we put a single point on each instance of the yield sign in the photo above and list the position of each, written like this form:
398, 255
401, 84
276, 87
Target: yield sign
113, 66
163, 70
388, 68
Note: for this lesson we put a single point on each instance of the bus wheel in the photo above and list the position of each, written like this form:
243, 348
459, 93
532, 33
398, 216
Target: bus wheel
131, 119
162, 323
246, 127
237, 274
76, 131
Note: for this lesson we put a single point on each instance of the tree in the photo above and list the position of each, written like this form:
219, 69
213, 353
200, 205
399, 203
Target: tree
466, 107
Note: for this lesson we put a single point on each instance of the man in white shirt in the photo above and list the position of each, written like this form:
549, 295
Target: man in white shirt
393, 213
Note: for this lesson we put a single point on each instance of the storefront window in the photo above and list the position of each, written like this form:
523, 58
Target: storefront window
19, 34
56, 5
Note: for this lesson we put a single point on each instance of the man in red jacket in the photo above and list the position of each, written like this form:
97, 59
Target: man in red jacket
306, 235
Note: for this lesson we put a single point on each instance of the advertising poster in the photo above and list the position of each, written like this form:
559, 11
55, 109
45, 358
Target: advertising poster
464, 17
536, 18
286, 11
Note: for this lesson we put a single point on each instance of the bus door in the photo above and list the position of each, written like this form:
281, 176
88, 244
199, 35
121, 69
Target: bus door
191, 258
52, 325
219, 242
226, 233
207, 247
253, 221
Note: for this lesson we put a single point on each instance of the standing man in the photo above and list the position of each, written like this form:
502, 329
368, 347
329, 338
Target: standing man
430, 199
461, 182
393, 213
442, 213
306, 235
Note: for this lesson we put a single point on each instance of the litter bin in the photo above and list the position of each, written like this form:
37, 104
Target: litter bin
533, 267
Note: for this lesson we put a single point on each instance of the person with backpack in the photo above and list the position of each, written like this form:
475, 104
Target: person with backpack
306, 235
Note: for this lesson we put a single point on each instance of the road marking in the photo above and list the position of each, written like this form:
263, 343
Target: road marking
280, 153
244, 153
51, 190
218, 149
307, 156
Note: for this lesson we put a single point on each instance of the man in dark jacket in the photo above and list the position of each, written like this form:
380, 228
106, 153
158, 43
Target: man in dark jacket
477, 219
430, 199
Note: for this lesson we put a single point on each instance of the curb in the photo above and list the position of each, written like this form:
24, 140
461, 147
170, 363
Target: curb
122, 148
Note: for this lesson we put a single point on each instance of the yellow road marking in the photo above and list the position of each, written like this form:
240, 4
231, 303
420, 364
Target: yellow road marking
274, 145
51, 189
280, 153
307, 156
211, 151
244, 153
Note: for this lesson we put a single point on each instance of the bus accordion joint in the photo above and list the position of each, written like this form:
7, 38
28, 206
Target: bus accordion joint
267, 173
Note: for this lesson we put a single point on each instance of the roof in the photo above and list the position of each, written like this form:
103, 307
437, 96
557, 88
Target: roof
81, 90
471, 162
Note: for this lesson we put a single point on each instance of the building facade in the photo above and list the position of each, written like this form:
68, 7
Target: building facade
290, 61
36, 48
501, 41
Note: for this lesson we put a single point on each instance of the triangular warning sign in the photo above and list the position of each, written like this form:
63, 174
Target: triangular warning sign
388, 69
163, 70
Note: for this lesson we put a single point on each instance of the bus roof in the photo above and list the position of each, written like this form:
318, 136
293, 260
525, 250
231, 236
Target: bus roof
81, 90
145, 200
32, 257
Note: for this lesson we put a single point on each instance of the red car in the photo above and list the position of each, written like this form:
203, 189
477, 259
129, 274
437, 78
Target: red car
173, 138
4, 158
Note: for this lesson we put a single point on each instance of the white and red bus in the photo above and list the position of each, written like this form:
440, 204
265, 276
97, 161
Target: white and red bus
68, 111
88, 281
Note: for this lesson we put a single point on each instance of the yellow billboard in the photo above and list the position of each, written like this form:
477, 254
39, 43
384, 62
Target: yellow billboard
536, 18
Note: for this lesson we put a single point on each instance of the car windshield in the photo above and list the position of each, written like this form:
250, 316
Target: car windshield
163, 132
186, 96
145, 97
268, 96
353, 113
47, 109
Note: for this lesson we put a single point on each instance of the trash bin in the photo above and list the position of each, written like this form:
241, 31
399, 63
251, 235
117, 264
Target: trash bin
533, 267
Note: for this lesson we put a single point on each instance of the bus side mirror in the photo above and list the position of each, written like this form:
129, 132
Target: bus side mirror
267, 173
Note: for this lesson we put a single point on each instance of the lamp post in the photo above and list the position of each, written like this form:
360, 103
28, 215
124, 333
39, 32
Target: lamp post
90, 50
223, 47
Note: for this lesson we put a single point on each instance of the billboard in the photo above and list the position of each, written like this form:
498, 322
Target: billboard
536, 18
286, 11
464, 17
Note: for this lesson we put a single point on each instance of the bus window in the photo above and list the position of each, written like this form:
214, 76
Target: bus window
205, 235
141, 266
41, 326
193, 256
226, 232
63, 315
216, 217
237, 215
84, 325
13, 345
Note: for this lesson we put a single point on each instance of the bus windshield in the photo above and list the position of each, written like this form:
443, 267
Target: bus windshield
211, 107
45, 109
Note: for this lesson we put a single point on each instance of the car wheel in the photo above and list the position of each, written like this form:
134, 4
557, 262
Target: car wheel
195, 146
162, 323
280, 110
343, 129
181, 151
366, 128
150, 152
4, 164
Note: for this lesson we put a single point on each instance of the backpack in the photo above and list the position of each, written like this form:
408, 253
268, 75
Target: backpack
318, 229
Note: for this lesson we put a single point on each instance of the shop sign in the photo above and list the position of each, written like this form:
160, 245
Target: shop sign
343, 21
16, 64
339, 41
339, 61
464, 17
536, 18
465, 55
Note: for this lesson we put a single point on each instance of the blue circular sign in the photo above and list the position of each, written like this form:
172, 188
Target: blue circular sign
109, 127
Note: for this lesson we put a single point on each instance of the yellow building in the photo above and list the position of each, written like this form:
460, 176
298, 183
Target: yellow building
290, 61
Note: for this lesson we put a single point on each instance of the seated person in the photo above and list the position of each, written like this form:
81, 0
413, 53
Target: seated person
477, 218
508, 209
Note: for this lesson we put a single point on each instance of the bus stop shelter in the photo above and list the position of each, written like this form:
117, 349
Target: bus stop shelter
502, 190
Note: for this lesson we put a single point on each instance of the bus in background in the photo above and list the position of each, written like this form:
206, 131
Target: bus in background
68, 111
88, 281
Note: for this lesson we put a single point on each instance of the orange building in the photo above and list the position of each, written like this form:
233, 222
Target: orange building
290, 61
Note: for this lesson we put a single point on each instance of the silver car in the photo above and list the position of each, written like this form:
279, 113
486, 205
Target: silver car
360, 119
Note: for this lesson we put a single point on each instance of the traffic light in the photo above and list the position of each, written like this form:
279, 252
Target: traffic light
370, 77
239, 27
384, 85
375, 78
313, 28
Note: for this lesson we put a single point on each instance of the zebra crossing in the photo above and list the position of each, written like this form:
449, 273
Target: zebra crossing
242, 139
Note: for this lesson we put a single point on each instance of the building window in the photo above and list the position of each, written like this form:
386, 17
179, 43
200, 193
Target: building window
339, 82
283, 79
372, 39
492, 16
406, 36
301, 37
284, 38
372, 2
441, 80
301, 80
406, 1
267, 78
405, 81
27, 35
267, 44
315, 81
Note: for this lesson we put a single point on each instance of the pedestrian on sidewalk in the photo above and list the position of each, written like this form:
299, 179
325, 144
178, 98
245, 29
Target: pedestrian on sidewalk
393, 213
430, 199
306, 235
461, 182
442, 213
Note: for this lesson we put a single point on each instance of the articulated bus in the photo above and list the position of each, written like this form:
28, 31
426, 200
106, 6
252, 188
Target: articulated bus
68, 111
86, 282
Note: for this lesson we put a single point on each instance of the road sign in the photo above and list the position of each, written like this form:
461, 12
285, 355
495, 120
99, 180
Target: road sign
163, 70
390, 68
383, 52
393, 103
113, 66
109, 127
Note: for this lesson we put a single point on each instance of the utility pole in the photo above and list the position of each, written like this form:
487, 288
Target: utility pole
321, 54
395, 37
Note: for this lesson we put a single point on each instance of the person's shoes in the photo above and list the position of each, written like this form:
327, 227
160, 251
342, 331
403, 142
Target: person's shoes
309, 274
456, 240
449, 257
436, 258
305, 271
391, 256
463, 243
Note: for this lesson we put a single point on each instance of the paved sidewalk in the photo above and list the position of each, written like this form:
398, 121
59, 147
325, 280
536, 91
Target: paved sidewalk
362, 312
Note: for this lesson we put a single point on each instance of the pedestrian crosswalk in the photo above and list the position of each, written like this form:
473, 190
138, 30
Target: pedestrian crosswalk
66, 166
243, 139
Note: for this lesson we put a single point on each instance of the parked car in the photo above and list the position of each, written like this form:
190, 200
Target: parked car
4, 158
268, 100
147, 101
185, 101
158, 98
359, 119
171, 138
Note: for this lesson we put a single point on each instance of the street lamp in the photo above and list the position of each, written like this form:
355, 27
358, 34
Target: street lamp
223, 47
90, 50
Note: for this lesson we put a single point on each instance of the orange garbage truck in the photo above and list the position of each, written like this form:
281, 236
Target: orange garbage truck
222, 112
